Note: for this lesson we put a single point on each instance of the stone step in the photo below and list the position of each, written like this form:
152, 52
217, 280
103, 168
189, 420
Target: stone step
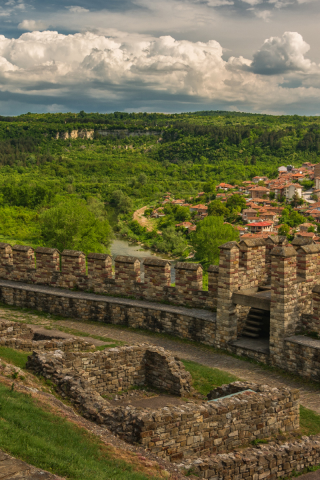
253, 322
252, 328
254, 316
250, 334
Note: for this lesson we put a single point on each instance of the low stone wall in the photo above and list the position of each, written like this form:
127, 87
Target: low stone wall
302, 357
193, 430
14, 329
197, 325
116, 369
64, 345
19, 336
267, 462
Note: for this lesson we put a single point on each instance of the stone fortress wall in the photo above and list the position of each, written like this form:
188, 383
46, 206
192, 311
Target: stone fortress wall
278, 279
94, 274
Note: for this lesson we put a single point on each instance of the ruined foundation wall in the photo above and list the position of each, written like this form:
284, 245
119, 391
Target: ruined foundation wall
265, 462
116, 369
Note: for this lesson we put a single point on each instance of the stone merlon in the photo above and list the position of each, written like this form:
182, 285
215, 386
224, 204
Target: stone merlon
124, 259
156, 262
284, 251
229, 246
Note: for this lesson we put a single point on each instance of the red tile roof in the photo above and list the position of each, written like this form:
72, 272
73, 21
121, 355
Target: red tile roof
259, 224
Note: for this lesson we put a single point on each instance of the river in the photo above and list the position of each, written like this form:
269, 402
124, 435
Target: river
122, 247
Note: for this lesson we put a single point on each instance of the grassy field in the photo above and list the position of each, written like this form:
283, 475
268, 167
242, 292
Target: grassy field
52, 443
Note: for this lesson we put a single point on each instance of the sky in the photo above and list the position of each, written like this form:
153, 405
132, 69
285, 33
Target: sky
259, 56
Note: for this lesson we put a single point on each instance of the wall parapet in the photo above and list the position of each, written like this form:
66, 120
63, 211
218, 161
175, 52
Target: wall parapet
94, 273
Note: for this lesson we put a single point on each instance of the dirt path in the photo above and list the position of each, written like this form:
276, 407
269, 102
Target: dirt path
309, 393
143, 221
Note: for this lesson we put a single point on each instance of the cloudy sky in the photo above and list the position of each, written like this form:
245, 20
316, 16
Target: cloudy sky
165, 56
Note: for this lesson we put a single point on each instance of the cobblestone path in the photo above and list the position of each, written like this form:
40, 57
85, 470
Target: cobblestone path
309, 393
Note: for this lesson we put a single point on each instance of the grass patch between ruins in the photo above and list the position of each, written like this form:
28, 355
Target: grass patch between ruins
309, 421
206, 378
15, 357
50, 442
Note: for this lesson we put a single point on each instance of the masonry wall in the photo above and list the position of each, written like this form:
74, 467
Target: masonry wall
19, 263
199, 326
265, 462
10, 330
189, 430
194, 431
302, 357
116, 369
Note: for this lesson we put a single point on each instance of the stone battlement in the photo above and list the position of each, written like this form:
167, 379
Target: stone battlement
265, 289
94, 273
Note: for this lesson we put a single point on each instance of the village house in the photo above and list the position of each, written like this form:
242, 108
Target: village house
184, 224
259, 192
291, 190
305, 226
260, 227
258, 179
249, 215
224, 186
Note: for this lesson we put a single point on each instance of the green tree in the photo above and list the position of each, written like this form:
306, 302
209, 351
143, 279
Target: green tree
142, 179
236, 203
171, 241
210, 234
121, 201
284, 229
218, 209
72, 225
291, 217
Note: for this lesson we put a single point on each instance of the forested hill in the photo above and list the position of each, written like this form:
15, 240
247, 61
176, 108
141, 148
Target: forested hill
132, 169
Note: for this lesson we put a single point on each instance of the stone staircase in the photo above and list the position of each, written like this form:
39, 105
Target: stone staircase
256, 323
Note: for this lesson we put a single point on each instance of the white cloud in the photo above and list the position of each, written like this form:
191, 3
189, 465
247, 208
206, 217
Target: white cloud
76, 9
253, 2
31, 25
263, 14
52, 65
279, 55
219, 3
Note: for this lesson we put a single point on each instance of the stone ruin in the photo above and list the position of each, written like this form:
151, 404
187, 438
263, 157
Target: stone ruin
209, 438
233, 416
21, 337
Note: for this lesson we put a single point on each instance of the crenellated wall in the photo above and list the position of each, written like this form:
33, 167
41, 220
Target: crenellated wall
94, 274
266, 276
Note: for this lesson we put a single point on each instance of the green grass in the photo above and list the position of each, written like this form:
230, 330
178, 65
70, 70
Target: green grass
309, 421
206, 378
19, 359
54, 444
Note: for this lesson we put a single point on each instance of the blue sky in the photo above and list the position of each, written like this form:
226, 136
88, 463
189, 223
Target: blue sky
170, 55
